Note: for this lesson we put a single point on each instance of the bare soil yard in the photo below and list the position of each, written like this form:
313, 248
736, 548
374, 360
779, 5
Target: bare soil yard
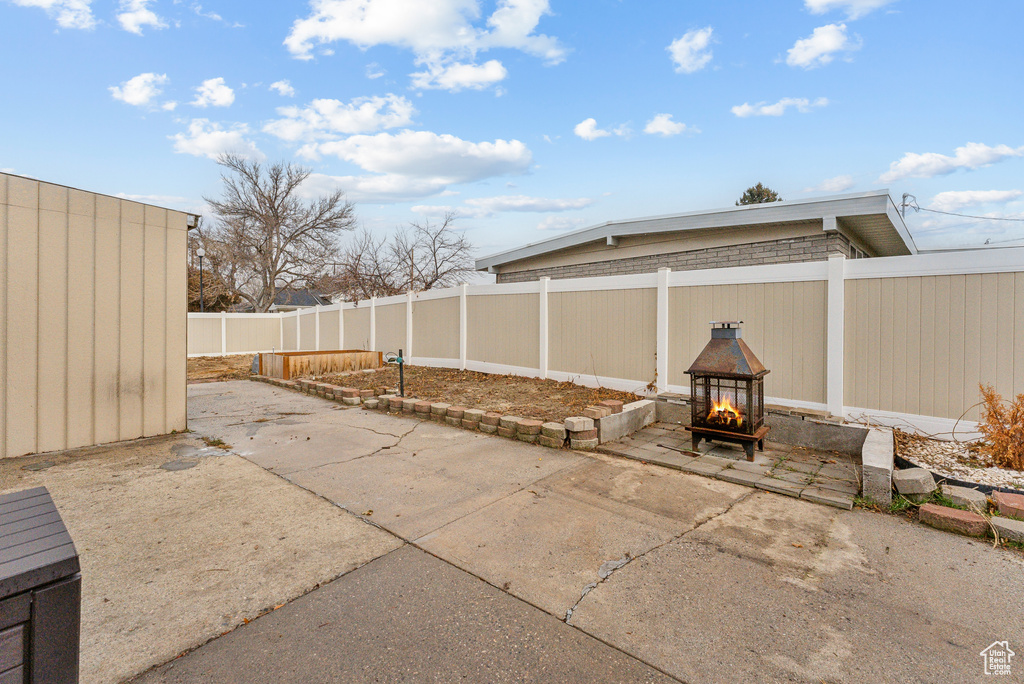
219, 368
507, 394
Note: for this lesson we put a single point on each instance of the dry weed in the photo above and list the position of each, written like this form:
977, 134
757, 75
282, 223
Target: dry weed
1002, 424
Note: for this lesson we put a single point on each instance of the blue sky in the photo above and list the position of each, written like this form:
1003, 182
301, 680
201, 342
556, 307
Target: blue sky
528, 117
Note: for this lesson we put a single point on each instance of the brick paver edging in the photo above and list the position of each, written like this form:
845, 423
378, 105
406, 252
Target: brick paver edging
579, 433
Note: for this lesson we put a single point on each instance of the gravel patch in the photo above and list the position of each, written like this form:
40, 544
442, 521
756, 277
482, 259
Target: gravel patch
959, 460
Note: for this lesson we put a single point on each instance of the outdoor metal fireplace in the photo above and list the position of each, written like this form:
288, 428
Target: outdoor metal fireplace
727, 391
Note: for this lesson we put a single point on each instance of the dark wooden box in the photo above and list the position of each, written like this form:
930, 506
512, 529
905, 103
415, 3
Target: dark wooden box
40, 592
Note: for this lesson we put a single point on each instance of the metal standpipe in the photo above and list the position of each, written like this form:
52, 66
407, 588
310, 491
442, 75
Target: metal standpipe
401, 374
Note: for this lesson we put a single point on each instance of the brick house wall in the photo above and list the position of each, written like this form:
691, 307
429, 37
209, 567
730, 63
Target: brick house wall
809, 248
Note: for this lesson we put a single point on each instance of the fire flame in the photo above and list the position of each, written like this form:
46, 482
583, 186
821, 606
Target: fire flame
724, 413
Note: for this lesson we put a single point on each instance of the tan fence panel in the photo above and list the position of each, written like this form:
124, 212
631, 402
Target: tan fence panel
504, 329
435, 325
357, 329
258, 333
307, 329
922, 345
391, 328
204, 335
94, 320
291, 326
784, 324
605, 333
329, 330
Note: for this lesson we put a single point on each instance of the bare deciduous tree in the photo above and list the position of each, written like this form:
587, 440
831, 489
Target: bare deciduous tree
267, 238
423, 256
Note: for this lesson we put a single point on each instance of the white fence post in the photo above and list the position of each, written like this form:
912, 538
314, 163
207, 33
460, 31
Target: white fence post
341, 325
298, 329
408, 326
662, 329
317, 327
280, 329
835, 339
544, 327
223, 333
463, 332
373, 324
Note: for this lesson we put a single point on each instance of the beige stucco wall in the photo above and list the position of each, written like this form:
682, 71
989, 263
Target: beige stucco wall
357, 328
607, 333
922, 345
435, 325
504, 329
390, 320
784, 325
93, 309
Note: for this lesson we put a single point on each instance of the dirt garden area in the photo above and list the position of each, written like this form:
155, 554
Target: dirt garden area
506, 394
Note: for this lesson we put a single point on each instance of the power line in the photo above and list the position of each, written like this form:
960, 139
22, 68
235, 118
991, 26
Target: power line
984, 218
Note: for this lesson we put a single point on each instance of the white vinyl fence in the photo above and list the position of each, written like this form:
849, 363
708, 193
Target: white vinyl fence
897, 339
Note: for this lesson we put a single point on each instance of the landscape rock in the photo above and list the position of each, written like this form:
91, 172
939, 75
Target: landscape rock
473, 415
1009, 529
583, 444
509, 421
528, 426
971, 499
1010, 505
612, 404
578, 424
553, 431
490, 418
551, 442
916, 484
953, 520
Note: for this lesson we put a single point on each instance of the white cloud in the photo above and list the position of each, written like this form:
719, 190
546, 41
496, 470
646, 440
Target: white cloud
691, 52
951, 200
207, 139
413, 164
455, 76
374, 70
854, 8
929, 164
214, 93
821, 46
139, 90
134, 14
559, 223
837, 184
662, 124
326, 119
444, 35
379, 189
428, 155
588, 130
283, 88
802, 104
489, 206
75, 14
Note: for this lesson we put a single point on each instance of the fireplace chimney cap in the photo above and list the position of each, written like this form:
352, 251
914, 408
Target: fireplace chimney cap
727, 355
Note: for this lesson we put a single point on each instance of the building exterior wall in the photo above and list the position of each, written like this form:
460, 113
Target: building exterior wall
814, 247
93, 316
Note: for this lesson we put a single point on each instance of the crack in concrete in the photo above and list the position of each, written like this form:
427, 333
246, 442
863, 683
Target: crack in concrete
609, 568
358, 458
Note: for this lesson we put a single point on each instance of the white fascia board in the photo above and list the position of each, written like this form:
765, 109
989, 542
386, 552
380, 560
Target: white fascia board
901, 227
854, 204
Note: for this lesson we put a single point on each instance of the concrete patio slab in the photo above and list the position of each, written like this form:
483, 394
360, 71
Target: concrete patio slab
174, 557
406, 617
